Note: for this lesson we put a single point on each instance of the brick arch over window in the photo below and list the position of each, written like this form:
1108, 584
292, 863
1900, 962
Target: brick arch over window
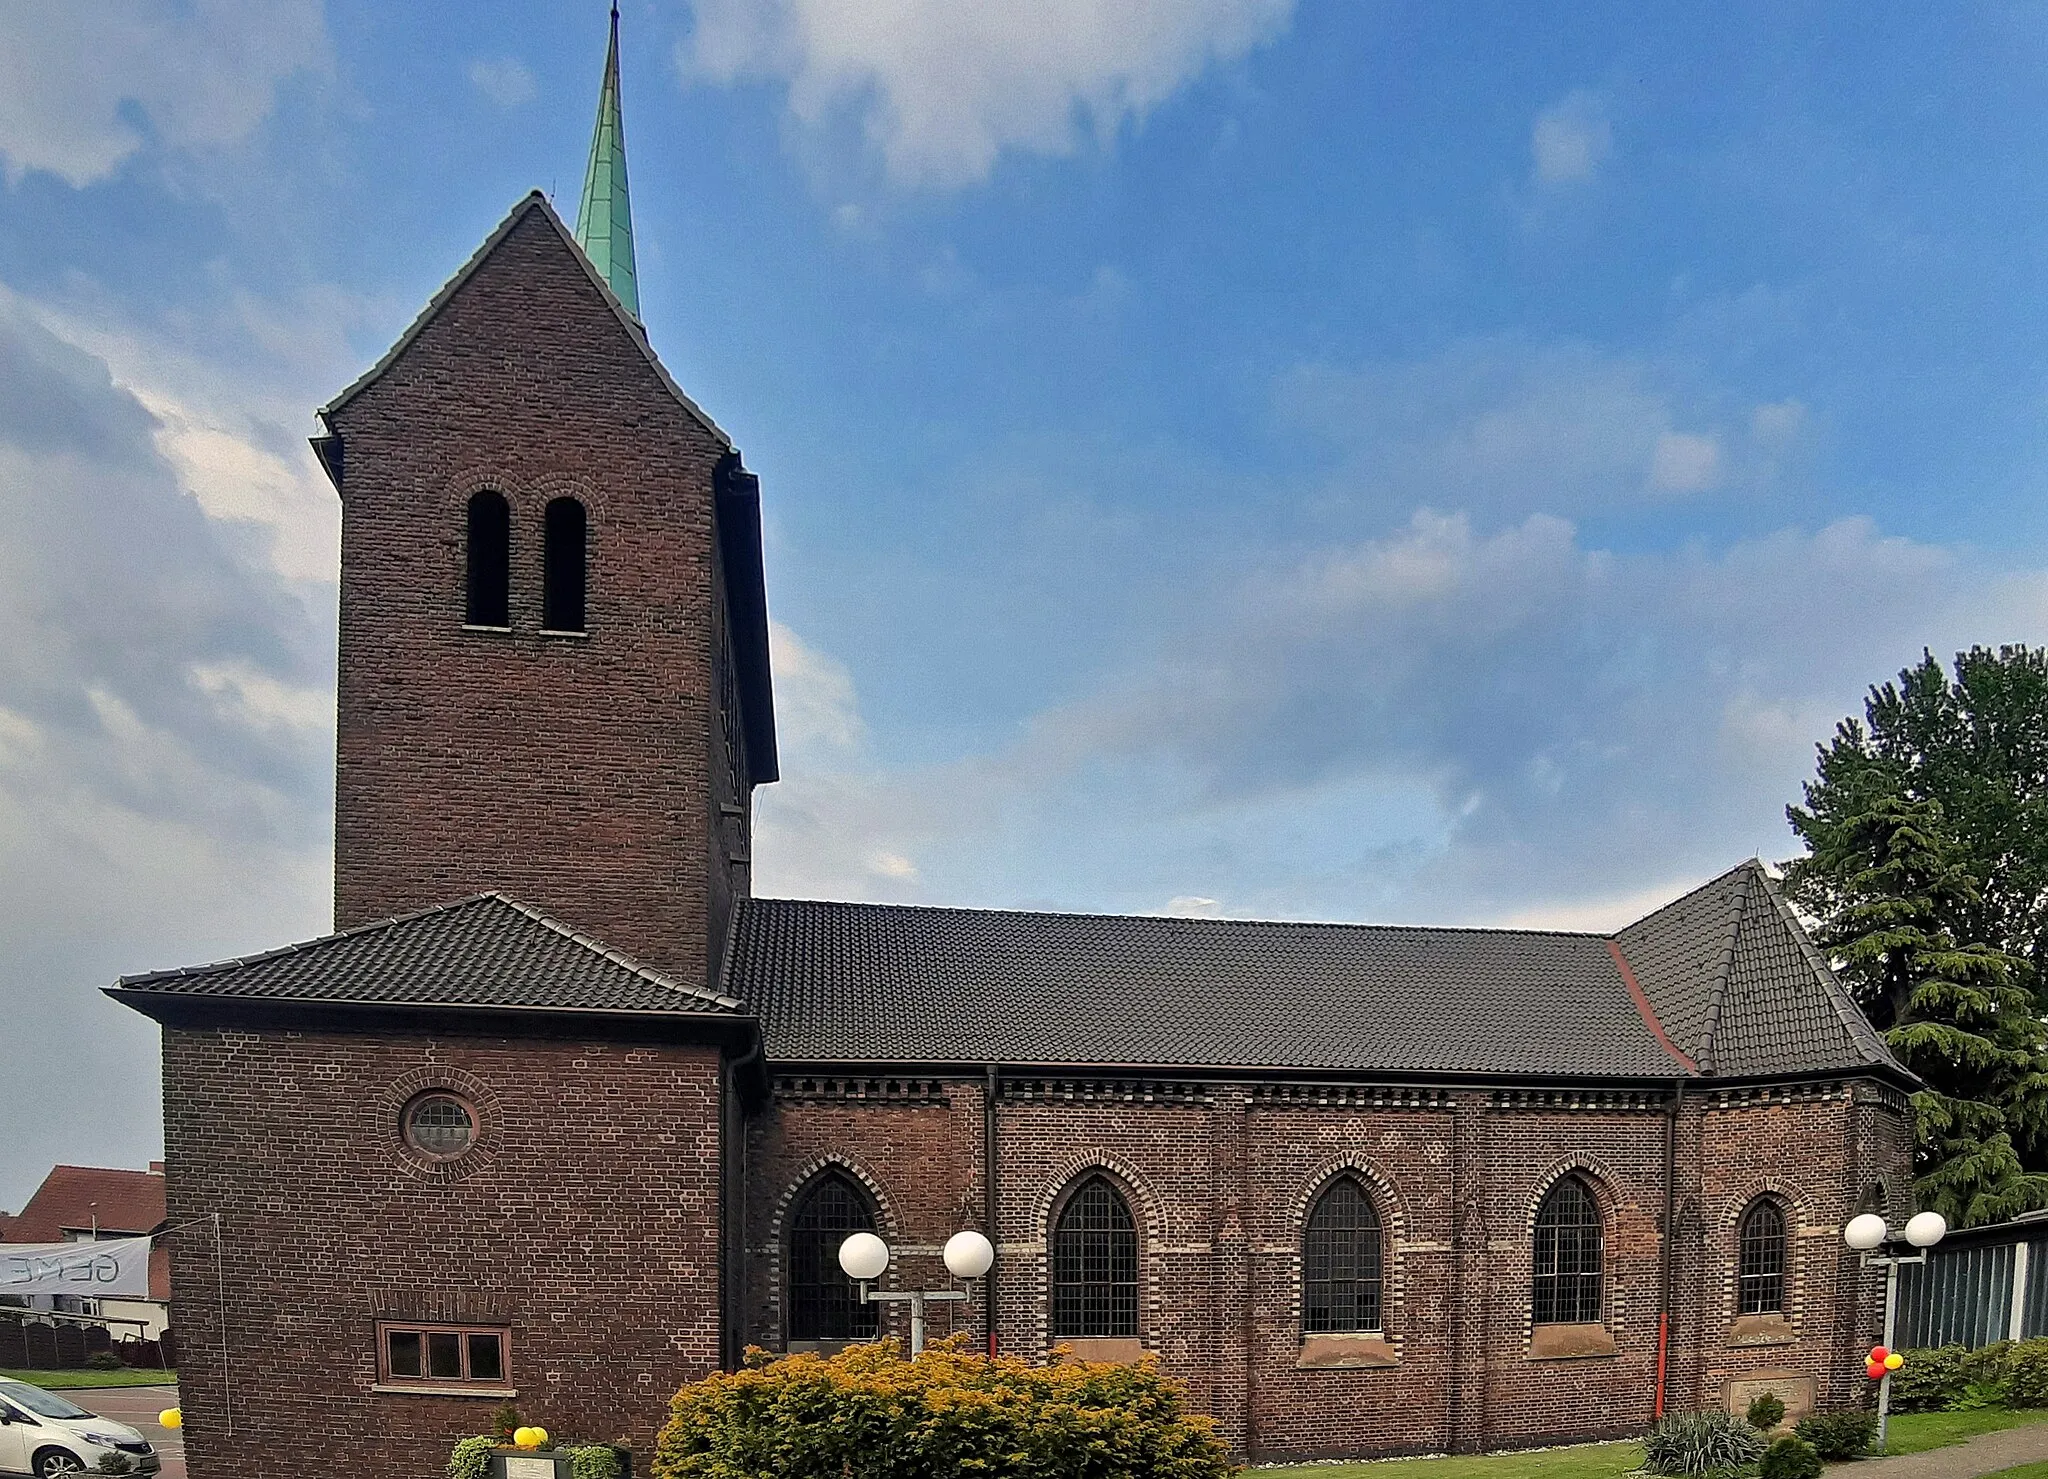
407, 1087
776, 1250
1391, 1211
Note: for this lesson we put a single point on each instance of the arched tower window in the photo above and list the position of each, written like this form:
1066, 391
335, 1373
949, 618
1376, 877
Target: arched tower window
1566, 1288
1340, 1262
489, 593
563, 567
1095, 1265
1760, 1249
821, 1302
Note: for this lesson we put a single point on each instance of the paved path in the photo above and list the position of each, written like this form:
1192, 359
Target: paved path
1987, 1453
138, 1407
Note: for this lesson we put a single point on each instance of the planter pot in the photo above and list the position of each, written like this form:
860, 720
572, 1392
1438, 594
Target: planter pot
542, 1463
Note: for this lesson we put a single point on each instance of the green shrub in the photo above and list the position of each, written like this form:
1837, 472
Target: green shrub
597, 1461
1838, 1434
1931, 1379
1701, 1443
1766, 1412
471, 1458
2026, 1374
116, 1463
1789, 1458
103, 1361
505, 1422
867, 1413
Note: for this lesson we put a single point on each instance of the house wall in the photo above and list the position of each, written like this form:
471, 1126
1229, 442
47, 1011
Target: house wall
585, 1220
1221, 1177
571, 772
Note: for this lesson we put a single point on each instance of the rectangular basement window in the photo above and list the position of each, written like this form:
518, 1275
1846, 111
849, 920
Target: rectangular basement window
443, 1356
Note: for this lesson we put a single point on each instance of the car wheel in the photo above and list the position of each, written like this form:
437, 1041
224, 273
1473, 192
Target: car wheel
55, 1463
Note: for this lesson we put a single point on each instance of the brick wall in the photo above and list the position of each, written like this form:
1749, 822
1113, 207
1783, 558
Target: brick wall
1221, 1177
570, 772
585, 1219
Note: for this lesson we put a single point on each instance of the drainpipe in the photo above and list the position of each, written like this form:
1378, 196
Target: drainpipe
988, 1191
1664, 1243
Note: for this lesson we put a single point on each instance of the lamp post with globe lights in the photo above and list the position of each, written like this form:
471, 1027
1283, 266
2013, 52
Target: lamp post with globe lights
1869, 1235
863, 1258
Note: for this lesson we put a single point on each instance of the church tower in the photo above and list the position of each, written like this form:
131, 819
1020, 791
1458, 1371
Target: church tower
553, 665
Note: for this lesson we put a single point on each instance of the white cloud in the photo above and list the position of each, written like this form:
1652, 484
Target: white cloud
1571, 139
1683, 462
198, 72
1192, 906
940, 88
504, 80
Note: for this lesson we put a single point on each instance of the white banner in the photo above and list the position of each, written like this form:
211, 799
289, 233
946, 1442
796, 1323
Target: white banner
113, 1269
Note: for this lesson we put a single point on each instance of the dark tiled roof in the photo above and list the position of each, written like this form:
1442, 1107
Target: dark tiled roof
486, 951
869, 983
1741, 989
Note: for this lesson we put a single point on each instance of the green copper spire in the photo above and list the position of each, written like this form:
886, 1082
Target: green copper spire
604, 223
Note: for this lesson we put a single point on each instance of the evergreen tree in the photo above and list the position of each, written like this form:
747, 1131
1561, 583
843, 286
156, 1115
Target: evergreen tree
1977, 746
1895, 904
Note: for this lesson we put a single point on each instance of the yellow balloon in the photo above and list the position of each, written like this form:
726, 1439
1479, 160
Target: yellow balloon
540, 1437
1894, 1361
171, 1417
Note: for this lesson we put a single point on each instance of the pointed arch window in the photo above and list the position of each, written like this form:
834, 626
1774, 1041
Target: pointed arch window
488, 591
564, 566
820, 1298
1760, 1253
1569, 1251
1095, 1265
1340, 1262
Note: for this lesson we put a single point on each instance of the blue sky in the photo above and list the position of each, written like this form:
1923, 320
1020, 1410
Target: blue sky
1319, 458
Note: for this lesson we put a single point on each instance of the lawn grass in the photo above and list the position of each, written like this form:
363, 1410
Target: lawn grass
131, 1376
1916, 1432
2024, 1471
1591, 1461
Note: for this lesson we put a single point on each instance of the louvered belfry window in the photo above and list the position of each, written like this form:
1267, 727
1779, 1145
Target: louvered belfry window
1760, 1246
822, 1304
1340, 1262
1568, 1255
1095, 1265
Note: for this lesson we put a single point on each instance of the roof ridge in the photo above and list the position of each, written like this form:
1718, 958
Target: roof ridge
298, 946
531, 201
1724, 973
615, 956
1593, 936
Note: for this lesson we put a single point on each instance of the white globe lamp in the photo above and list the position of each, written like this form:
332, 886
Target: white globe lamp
1863, 1233
1926, 1229
864, 1256
969, 1255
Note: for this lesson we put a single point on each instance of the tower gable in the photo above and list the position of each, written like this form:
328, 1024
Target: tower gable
577, 761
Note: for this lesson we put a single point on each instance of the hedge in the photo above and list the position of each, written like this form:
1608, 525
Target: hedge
1953, 1378
867, 1413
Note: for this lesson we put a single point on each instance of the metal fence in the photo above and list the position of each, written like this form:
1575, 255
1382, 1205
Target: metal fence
1987, 1284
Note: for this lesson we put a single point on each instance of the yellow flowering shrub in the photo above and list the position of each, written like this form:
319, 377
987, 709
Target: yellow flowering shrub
867, 1413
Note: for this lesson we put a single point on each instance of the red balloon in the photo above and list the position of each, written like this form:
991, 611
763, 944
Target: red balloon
1874, 1370
1878, 1353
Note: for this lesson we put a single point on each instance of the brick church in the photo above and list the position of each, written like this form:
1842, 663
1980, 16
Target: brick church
565, 1116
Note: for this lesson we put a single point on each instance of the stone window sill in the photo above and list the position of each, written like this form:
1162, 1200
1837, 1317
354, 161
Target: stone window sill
1121, 1350
1570, 1342
1351, 1352
551, 632
489, 631
1752, 1330
395, 1389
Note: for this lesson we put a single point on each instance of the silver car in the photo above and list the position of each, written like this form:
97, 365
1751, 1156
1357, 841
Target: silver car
44, 1435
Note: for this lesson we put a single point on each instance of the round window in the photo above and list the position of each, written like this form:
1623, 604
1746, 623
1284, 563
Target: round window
439, 1125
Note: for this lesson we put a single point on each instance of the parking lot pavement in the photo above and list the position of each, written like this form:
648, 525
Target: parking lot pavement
138, 1407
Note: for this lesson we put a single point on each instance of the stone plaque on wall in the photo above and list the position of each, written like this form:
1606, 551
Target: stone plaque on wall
1792, 1388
